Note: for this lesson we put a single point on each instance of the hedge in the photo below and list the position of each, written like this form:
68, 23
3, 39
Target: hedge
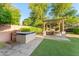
76, 30
31, 29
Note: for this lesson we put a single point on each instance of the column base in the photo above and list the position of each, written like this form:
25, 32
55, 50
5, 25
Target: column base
63, 32
44, 33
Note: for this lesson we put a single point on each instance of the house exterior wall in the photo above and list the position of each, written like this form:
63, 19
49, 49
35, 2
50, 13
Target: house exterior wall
5, 36
6, 30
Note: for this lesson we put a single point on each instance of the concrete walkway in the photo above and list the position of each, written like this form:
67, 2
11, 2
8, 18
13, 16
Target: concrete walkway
20, 49
72, 35
52, 37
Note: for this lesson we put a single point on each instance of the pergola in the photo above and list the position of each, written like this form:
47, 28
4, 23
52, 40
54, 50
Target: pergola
53, 26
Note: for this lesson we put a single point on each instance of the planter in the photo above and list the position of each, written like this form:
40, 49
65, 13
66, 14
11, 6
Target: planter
25, 37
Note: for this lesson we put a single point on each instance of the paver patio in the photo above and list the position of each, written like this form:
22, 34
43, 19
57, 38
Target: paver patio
20, 49
26, 49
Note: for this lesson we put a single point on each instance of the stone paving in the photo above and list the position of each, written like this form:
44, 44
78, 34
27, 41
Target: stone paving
28, 48
20, 49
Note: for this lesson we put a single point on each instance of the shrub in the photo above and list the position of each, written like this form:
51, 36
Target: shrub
32, 29
25, 29
76, 30
69, 30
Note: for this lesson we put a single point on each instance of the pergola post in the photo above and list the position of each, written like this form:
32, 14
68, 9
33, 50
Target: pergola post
59, 29
59, 26
44, 31
50, 26
63, 32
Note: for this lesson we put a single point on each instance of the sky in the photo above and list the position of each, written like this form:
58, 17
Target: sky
25, 11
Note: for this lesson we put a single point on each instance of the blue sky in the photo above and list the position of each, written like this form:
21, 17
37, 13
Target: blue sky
25, 11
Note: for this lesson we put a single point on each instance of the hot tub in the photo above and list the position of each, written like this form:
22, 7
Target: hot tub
25, 37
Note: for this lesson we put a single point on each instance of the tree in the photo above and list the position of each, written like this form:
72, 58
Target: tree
38, 12
64, 11
70, 12
71, 18
58, 10
71, 22
15, 16
5, 16
9, 14
27, 21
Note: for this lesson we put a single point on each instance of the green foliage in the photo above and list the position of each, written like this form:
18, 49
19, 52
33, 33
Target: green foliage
32, 29
36, 30
25, 29
27, 21
70, 12
38, 23
66, 12
76, 30
15, 16
72, 20
5, 15
59, 9
38, 13
73, 30
9, 14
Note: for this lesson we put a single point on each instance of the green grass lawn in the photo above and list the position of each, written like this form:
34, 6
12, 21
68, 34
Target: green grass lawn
57, 48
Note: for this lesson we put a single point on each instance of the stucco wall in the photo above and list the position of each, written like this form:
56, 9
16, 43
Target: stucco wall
5, 32
5, 36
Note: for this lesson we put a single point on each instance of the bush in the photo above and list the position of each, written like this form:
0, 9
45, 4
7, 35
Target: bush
76, 30
25, 29
32, 29
69, 30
